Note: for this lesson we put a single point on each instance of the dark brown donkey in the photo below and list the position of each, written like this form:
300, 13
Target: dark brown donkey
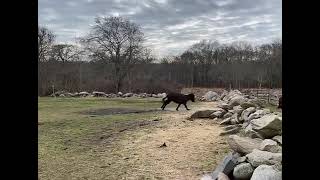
177, 98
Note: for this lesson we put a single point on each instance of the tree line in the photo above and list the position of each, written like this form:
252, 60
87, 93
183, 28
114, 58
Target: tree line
112, 58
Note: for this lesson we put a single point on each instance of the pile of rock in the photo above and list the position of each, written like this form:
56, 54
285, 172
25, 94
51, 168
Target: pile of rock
253, 159
258, 152
103, 94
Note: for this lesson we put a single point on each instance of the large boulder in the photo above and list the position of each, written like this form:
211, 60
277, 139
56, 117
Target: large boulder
270, 146
237, 100
243, 171
231, 95
224, 106
267, 126
83, 94
223, 94
259, 113
257, 102
278, 139
210, 96
230, 131
247, 104
127, 95
217, 114
243, 145
222, 176
162, 95
258, 157
235, 119
228, 114
226, 166
98, 94
265, 172
246, 113
251, 133
120, 94
238, 109
226, 121
226, 128
202, 114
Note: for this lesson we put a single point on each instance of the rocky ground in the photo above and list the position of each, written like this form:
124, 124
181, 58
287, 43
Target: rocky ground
255, 136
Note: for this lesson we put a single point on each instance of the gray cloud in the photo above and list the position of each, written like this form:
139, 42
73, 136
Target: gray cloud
170, 26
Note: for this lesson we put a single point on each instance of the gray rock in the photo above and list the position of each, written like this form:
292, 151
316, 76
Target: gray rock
245, 124
225, 121
257, 102
265, 172
231, 131
83, 94
228, 114
98, 94
277, 166
202, 114
235, 119
259, 113
210, 96
267, 126
257, 158
223, 94
120, 93
243, 145
247, 104
226, 128
245, 113
243, 171
226, 166
241, 159
278, 139
162, 95
238, 109
237, 100
127, 95
217, 114
269, 145
231, 95
224, 106
222, 176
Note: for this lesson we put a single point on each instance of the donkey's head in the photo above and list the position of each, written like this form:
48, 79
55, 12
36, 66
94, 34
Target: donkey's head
191, 97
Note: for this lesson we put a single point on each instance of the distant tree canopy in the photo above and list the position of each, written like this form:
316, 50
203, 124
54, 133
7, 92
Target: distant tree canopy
112, 58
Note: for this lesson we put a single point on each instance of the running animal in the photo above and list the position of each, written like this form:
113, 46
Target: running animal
177, 98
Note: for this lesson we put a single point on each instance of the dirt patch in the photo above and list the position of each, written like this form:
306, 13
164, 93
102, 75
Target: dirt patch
193, 148
113, 111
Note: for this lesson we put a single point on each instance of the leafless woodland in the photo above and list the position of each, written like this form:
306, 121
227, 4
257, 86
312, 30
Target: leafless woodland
112, 57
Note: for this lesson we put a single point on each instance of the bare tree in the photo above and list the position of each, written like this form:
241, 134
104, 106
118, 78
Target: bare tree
45, 41
66, 52
118, 41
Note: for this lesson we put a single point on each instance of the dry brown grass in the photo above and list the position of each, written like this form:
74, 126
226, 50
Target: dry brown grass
106, 152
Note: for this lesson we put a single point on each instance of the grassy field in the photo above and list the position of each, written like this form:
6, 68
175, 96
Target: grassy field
78, 138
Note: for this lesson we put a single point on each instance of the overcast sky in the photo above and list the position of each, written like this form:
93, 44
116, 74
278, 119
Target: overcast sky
170, 26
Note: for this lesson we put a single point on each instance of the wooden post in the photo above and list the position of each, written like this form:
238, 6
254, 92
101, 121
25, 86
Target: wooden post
53, 90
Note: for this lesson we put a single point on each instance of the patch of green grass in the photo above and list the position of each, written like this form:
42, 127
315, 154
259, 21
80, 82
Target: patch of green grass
66, 138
